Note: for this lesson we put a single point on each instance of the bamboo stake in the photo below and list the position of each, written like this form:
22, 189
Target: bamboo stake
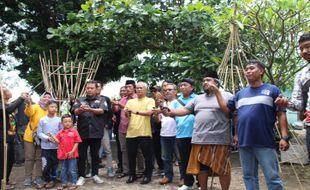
53, 69
300, 184
79, 86
66, 79
71, 78
5, 146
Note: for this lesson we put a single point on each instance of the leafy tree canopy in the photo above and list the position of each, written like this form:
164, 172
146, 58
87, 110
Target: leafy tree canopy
146, 41
27, 22
153, 41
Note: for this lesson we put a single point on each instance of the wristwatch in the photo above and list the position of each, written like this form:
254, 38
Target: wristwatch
286, 138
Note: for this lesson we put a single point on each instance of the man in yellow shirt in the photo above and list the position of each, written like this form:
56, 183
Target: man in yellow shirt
139, 111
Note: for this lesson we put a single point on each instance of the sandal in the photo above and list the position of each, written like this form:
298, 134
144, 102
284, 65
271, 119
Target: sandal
73, 186
50, 185
11, 183
121, 175
63, 186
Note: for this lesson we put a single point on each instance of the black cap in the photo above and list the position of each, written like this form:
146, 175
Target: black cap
189, 81
211, 73
130, 82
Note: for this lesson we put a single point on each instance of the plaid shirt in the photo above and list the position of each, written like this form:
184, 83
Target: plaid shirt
296, 102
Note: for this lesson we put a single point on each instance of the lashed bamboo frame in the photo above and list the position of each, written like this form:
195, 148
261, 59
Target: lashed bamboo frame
63, 78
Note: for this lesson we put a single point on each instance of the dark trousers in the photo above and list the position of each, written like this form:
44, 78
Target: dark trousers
308, 140
49, 164
10, 160
157, 149
94, 145
119, 152
146, 147
185, 146
19, 149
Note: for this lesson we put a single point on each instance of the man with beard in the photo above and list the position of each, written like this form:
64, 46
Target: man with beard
211, 135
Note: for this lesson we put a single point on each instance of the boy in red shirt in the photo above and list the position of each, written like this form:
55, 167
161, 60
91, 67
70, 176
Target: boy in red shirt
68, 139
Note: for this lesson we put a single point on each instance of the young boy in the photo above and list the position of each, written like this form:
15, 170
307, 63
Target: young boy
48, 126
68, 139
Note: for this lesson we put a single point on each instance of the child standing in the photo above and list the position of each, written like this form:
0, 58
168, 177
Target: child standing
68, 139
48, 126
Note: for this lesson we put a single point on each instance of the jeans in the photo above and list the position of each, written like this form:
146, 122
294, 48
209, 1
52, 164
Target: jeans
49, 164
68, 168
167, 149
250, 157
106, 147
308, 140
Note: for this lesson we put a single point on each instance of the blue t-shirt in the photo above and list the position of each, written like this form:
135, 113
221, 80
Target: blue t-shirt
48, 125
256, 114
185, 123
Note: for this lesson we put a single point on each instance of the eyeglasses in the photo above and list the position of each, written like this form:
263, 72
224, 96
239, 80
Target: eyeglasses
168, 89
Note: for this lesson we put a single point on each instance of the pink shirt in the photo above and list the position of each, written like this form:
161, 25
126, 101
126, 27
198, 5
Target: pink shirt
67, 138
124, 120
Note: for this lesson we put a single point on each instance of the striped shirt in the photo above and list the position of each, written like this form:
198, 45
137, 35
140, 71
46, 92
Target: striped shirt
296, 102
256, 113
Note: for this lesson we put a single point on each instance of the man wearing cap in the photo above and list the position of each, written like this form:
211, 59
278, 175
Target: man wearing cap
257, 113
130, 86
185, 129
211, 135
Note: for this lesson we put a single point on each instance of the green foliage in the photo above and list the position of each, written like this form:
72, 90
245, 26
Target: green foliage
154, 40
174, 42
270, 32
27, 22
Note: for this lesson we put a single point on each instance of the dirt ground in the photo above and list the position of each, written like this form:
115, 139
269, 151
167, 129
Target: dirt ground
289, 177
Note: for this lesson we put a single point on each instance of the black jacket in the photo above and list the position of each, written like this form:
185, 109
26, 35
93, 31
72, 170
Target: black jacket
90, 125
9, 108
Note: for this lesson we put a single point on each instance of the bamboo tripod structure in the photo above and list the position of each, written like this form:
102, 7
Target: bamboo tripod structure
63, 78
5, 146
231, 70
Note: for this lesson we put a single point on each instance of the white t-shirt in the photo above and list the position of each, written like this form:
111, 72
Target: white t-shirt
168, 126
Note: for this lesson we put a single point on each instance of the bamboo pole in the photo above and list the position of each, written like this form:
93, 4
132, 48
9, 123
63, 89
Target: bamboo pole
71, 78
66, 79
80, 81
5, 146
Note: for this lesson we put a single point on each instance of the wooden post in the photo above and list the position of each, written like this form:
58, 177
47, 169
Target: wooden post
5, 146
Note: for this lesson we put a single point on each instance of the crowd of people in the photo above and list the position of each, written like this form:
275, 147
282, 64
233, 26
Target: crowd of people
154, 127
